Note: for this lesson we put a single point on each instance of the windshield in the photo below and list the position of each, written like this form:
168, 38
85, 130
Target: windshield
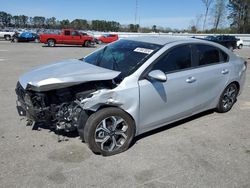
125, 56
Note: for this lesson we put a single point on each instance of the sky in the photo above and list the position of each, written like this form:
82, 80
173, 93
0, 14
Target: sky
166, 13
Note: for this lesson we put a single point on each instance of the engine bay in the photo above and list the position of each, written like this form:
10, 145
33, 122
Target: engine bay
60, 107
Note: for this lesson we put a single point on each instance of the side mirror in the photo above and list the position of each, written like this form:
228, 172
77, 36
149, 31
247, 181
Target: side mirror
157, 75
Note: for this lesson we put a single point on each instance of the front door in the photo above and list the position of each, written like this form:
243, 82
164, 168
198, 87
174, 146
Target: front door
163, 102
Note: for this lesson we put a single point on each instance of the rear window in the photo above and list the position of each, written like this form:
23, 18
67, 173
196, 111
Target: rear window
207, 55
67, 33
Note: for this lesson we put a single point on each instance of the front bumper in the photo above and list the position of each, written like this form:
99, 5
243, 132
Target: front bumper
25, 110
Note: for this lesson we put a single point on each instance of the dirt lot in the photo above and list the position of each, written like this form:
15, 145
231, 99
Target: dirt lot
208, 150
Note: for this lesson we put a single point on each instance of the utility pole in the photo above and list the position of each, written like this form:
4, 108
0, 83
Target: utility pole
136, 11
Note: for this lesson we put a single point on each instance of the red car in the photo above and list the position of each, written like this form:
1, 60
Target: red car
107, 38
67, 36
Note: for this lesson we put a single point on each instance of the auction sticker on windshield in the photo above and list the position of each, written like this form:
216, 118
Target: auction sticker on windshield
143, 50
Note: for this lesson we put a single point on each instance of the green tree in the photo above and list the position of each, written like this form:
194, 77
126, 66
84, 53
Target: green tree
133, 27
39, 21
16, 21
154, 28
239, 14
79, 24
23, 20
64, 24
51, 23
5, 19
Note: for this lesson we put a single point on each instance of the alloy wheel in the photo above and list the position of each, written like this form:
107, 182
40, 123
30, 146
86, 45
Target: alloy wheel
111, 133
229, 97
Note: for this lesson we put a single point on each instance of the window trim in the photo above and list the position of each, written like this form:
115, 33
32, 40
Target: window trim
196, 61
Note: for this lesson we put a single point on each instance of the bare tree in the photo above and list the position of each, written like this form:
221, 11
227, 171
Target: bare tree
196, 23
207, 4
219, 12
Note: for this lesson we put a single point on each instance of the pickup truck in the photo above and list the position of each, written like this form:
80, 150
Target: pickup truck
6, 34
229, 42
66, 36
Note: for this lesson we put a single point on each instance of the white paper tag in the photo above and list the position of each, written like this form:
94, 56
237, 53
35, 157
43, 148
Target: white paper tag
143, 50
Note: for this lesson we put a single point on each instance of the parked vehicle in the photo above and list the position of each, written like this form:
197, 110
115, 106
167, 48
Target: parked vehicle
67, 36
239, 43
107, 38
6, 34
229, 42
25, 37
131, 86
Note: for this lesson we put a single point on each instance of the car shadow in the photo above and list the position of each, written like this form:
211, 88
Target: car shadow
51, 128
73, 134
170, 126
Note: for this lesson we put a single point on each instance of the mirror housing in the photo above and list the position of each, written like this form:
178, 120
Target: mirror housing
157, 75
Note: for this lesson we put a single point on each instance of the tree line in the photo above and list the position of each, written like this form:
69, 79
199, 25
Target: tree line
217, 13
22, 21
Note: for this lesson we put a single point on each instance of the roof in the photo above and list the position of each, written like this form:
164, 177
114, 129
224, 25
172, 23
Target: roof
161, 40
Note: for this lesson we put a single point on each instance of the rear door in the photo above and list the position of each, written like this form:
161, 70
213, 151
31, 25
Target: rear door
67, 38
211, 72
76, 37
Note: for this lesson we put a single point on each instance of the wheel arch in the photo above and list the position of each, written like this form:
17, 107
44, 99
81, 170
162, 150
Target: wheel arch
51, 39
115, 106
236, 83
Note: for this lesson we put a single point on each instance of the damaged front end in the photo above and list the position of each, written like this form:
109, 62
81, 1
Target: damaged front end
57, 97
60, 108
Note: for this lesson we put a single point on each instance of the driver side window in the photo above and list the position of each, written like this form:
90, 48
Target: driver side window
177, 59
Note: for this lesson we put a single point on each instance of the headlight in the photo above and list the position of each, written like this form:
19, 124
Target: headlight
27, 100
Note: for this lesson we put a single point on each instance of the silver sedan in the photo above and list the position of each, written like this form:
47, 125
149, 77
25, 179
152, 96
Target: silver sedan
132, 86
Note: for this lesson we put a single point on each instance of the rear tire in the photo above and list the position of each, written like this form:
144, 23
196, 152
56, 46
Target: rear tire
51, 43
109, 131
227, 98
230, 48
86, 43
7, 37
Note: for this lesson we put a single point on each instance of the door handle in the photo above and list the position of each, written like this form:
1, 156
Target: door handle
190, 79
225, 71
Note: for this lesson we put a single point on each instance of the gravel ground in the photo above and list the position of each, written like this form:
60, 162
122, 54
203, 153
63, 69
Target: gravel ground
207, 150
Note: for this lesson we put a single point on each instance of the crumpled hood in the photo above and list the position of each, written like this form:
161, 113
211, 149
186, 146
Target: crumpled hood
63, 74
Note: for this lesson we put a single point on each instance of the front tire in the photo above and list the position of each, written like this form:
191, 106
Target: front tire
7, 37
109, 131
228, 98
240, 46
51, 43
